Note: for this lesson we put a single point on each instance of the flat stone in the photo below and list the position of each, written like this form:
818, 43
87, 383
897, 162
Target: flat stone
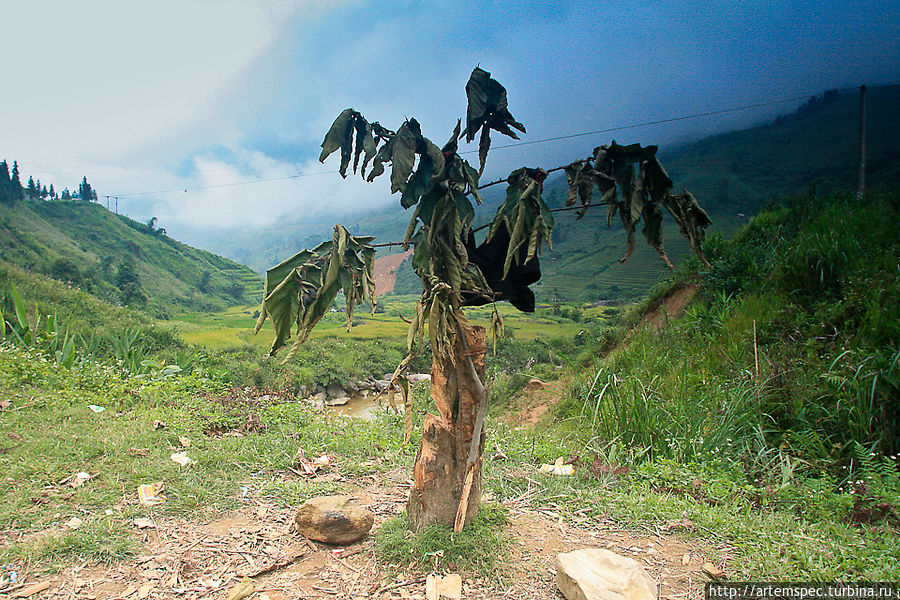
416, 377
336, 520
535, 384
598, 574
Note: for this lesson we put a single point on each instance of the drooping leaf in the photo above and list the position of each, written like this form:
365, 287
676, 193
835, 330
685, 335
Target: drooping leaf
403, 154
692, 220
334, 139
525, 215
365, 143
452, 144
581, 183
302, 288
477, 95
419, 184
484, 146
488, 109
382, 156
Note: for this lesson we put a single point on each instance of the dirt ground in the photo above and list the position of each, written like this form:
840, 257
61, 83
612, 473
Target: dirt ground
385, 271
191, 560
671, 306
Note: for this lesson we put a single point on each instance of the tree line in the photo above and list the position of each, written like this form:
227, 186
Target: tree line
12, 190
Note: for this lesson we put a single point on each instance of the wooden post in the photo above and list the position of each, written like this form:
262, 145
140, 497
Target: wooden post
442, 463
861, 182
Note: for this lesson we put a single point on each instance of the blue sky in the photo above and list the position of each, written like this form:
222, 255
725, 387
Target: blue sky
183, 95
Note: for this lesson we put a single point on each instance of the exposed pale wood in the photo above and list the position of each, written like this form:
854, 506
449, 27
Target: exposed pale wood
444, 475
32, 589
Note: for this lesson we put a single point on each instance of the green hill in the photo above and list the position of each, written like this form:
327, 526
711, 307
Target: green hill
119, 259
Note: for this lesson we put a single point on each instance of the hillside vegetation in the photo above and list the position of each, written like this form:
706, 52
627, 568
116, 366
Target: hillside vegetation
794, 348
119, 259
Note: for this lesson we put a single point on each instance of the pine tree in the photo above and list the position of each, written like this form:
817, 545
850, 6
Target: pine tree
52, 192
16, 183
31, 190
5, 184
65, 194
44, 193
85, 192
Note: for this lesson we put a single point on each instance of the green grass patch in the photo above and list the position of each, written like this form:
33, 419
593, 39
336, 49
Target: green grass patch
478, 548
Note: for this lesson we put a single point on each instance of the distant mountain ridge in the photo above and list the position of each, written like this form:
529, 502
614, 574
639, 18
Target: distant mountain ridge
119, 259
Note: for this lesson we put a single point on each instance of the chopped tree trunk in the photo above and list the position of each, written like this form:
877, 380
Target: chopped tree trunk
446, 457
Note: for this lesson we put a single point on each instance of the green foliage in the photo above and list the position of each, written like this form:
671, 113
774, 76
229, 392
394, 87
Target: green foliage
129, 283
788, 349
477, 548
303, 287
69, 325
526, 217
65, 270
317, 362
47, 236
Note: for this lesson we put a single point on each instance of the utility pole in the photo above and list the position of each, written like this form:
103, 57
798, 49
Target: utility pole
861, 182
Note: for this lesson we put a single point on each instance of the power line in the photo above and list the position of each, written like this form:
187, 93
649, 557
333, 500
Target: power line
223, 185
645, 123
516, 144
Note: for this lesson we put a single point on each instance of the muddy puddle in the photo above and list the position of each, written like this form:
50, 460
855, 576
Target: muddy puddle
364, 406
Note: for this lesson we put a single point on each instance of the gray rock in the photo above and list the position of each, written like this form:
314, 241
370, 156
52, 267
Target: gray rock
338, 401
382, 384
416, 377
336, 520
335, 391
598, 574
351, 388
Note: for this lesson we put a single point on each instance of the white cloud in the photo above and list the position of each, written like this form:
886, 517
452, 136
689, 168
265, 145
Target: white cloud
97, 80
283, 190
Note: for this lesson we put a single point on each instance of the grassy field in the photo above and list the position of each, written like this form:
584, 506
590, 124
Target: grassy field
235, 326
771, 524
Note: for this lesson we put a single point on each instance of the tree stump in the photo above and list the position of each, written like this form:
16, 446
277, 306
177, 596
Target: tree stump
439, 474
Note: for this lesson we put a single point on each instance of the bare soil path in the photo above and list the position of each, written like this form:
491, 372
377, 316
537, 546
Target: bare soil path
180, 558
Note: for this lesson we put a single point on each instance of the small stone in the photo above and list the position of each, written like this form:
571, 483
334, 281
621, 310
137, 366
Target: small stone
535, 384
598, 574
336, 520
334, 391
